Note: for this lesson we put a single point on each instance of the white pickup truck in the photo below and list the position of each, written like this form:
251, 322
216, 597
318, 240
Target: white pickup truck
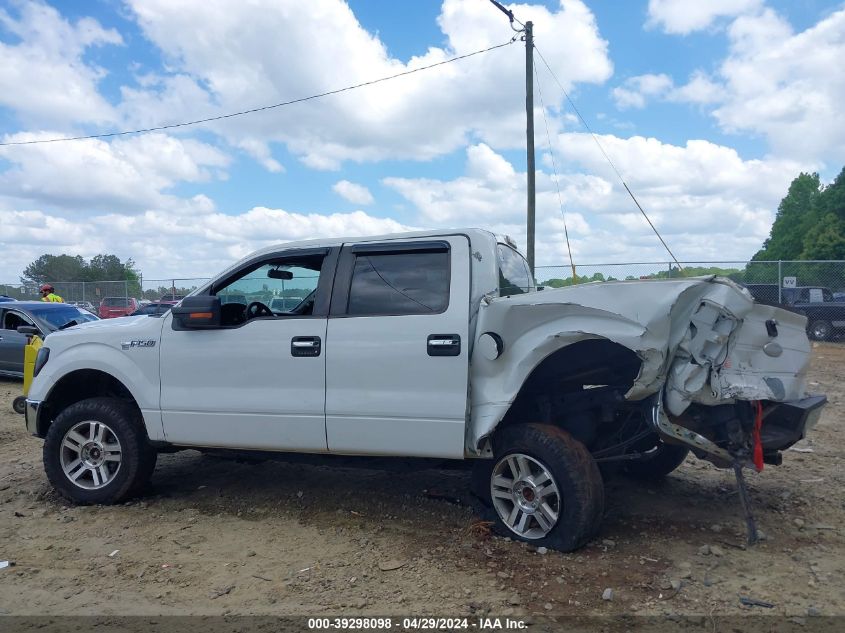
432, 344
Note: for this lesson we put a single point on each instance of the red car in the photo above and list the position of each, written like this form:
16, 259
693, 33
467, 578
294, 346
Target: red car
111, 307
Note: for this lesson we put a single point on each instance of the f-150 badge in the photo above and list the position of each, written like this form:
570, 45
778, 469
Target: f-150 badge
131, 344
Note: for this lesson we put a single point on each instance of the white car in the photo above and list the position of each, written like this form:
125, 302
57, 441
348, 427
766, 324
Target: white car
431, 344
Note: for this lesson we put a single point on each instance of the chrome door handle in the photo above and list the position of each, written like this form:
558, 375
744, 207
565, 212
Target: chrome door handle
305, 346
444, 345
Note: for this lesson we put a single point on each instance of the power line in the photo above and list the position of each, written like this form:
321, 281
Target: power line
262, 108
557, 178
604, 153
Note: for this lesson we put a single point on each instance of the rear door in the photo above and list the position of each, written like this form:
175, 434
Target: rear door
397, 358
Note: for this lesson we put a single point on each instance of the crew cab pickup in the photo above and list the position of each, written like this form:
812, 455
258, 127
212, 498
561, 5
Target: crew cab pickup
436, 345
825, 314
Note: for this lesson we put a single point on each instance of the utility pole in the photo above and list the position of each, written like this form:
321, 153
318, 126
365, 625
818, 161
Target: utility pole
529, 137
528, 35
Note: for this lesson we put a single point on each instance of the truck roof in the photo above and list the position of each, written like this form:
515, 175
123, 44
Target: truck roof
337, 241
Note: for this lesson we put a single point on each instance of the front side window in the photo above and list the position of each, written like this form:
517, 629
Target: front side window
399, 283
283, 286
514, 274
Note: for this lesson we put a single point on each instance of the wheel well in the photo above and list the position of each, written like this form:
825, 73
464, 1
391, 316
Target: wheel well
80, 385
579, 388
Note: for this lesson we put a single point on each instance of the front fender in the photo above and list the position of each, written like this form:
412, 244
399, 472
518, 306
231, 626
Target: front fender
138, 373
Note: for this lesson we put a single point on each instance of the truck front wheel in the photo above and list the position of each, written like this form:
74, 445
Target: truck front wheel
545, 487
96, 451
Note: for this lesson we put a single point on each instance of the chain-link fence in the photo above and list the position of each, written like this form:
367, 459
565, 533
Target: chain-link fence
94, 292
769, 281
169, 289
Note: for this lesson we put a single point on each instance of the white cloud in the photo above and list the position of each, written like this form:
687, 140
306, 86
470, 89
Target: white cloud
44, 78
683, 16
197, 242
635, 90
786, 86
128, 174
416, 117
354, 193
707, 202
773, 83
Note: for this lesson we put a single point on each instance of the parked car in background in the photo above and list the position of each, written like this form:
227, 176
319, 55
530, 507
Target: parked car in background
46, 317
153, 308
85, 305
825, 314
111, 307
6, 298
171, 299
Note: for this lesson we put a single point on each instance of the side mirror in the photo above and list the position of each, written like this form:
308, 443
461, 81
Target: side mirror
28, 330
197, 313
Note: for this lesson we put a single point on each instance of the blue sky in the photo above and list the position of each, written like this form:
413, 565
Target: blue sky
709, 109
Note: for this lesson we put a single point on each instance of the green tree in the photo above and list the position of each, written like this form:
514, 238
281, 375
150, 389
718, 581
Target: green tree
54, 268
797, 213
59, 268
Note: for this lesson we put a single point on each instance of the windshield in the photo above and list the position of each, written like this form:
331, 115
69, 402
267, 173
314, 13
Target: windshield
59, 316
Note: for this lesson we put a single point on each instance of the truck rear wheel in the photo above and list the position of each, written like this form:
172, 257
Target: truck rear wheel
96, 451
545, 487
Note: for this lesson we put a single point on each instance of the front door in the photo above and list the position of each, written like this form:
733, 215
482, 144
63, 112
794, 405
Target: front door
11, 342
398, 359
257, 382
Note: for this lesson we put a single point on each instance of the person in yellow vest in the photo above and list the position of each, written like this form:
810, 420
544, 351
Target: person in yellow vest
47, 294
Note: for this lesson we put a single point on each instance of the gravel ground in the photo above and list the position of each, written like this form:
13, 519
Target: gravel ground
214, 536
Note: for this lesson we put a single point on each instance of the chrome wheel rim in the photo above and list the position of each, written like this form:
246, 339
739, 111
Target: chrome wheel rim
820, 331
90, 455
525, 496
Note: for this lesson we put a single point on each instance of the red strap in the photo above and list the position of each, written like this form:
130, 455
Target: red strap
758, 444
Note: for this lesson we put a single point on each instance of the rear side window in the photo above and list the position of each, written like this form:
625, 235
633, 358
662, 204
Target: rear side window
514, 275
399, 283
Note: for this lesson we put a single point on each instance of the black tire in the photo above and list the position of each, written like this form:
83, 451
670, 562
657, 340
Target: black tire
820, 330
123, 425
666, 459
574, 472
19, 404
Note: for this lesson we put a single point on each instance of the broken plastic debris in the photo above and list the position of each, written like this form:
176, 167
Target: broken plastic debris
753, 602
114, 553
6, 563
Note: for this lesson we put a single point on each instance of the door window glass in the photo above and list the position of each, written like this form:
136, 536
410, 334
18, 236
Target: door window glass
514, 274
400, 283
280, 285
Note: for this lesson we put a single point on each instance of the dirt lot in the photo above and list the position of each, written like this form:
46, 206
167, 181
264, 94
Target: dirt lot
213, 536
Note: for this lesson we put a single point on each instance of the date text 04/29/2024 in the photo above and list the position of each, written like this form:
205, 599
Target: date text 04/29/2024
416, 624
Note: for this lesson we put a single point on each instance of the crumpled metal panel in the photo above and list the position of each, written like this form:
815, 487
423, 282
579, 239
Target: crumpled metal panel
702, 338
